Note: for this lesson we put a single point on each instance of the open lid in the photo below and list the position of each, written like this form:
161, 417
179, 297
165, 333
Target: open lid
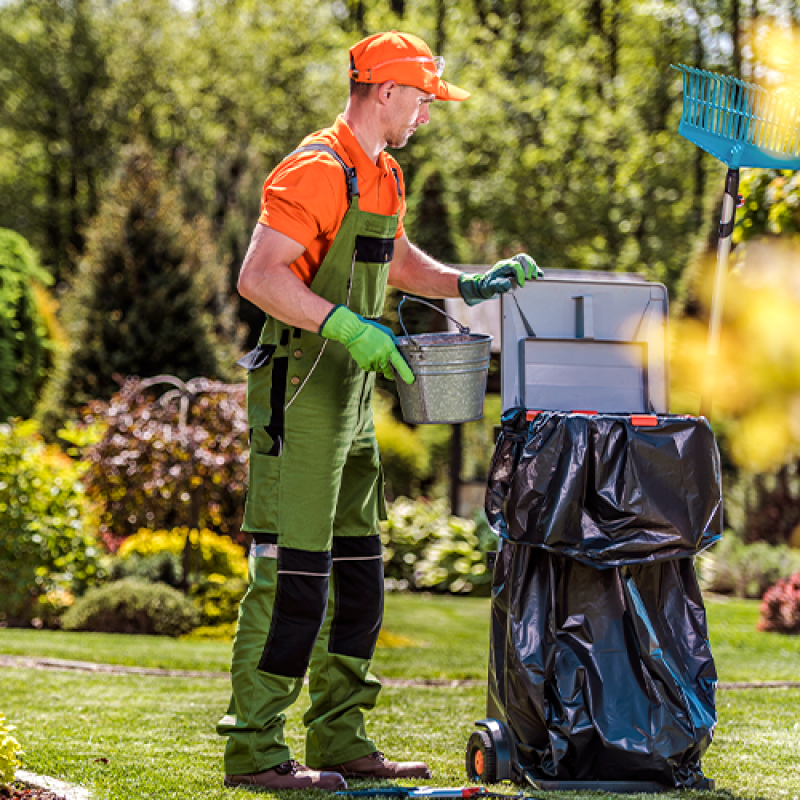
578, 340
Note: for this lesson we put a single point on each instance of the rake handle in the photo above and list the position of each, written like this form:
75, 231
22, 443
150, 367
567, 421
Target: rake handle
729, 203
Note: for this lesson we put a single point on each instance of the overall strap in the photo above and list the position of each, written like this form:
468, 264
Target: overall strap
349, 172
397, 181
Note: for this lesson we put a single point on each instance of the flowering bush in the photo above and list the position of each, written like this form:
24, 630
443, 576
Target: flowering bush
214, 567
48, 547
215, 554
780, 607
169, 457
10, 752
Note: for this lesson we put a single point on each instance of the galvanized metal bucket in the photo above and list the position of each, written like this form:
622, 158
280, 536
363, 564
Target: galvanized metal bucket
450, 372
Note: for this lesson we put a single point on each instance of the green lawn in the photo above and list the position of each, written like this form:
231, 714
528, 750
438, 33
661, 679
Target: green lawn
128, 736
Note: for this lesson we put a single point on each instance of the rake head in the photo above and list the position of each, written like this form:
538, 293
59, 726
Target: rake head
739, 123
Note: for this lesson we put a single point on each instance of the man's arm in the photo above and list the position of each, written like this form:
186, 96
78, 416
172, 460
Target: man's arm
267, 281
416, 272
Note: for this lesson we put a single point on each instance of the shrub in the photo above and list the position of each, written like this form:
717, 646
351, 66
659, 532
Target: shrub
25, 346
10, 752
48, 546
133, 606
427, 548
765, 506
150, 296
772, 205
177, 461
217, 567
780, 607
214, 554
164, 567
745, 570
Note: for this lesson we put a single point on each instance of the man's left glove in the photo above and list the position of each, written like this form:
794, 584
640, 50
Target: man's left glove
499, 279
372, 345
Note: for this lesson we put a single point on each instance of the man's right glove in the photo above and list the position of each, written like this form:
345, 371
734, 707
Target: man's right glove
477, 288
373, 346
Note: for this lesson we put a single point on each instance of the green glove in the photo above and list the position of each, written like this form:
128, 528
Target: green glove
373, 346
498, 280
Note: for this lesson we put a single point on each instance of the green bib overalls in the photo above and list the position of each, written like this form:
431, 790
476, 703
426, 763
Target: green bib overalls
315, 599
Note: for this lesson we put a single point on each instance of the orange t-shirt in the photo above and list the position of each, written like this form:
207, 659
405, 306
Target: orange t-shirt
305, 196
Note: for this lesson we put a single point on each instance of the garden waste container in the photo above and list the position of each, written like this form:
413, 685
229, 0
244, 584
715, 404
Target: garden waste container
600, 670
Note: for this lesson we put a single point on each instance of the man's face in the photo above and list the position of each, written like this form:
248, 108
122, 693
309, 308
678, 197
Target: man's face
408, 109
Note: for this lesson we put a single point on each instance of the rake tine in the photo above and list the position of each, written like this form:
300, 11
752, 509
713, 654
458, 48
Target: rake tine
749, 111
743, 125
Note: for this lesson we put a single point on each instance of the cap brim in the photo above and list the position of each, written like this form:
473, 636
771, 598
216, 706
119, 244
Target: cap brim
449, 91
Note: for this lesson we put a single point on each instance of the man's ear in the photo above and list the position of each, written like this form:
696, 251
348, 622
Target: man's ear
386, 89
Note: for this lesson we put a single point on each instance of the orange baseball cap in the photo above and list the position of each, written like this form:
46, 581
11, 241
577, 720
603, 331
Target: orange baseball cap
404, 58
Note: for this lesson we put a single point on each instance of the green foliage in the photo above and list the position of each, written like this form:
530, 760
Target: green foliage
24, 342
150, 295
570, 111
745, 570
216, 566
132, 606
416, 458
771, 205
431, 218
158, 467
10, 752
162, 567
573, 109
56, 119
425, 548
406, 463
49, 550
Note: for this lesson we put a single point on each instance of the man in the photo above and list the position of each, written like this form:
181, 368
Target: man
329, 237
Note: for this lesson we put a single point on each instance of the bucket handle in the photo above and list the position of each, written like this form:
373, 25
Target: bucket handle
461, 328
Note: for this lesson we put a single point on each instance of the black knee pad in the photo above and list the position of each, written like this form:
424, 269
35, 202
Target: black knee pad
358, 596
301, 601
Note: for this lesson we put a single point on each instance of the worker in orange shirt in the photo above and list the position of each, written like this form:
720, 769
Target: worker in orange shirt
329, 238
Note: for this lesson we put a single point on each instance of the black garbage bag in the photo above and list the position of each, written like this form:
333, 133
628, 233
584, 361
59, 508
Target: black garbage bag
600, 665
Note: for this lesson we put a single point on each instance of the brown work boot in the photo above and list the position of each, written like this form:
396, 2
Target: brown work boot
289, 775
375, 765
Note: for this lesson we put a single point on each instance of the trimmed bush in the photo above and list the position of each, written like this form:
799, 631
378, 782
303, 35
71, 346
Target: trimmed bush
10, 752
780, 607
49, 550
133, 606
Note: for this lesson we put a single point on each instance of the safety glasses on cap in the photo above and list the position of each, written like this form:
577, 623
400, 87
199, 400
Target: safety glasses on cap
437, 62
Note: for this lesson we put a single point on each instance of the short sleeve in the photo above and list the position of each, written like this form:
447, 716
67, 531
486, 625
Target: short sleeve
305, 199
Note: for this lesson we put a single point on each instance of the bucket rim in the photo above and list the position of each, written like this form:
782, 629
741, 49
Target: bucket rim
471, 338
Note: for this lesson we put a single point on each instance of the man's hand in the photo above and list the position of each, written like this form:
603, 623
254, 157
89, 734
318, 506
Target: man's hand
373, 346
499, 279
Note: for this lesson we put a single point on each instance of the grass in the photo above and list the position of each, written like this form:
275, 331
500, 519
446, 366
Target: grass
128, 736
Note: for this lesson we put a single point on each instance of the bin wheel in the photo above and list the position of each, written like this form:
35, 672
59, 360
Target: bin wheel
481, 758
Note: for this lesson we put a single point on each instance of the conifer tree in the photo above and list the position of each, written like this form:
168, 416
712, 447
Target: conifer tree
149, 298
24, 342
